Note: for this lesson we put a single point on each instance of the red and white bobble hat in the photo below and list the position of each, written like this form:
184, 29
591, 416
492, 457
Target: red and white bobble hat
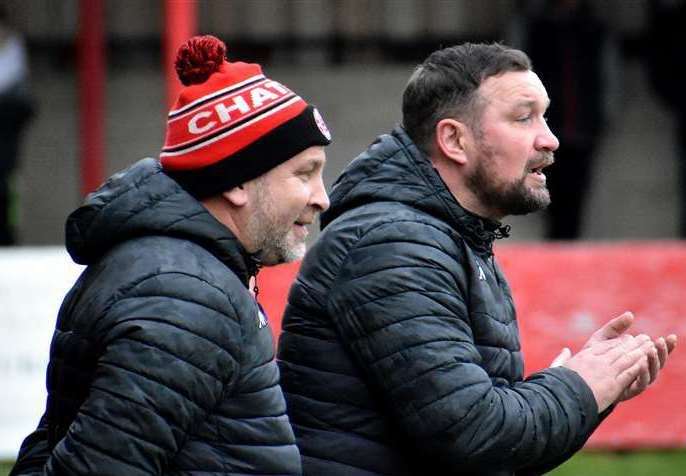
230, 123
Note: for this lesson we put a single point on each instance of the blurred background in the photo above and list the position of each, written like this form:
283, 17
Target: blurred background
84, 92
600, 60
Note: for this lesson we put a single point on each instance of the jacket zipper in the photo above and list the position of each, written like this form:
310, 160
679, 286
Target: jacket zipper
254, 270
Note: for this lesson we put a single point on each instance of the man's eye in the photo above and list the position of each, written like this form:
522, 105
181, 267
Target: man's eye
524, 119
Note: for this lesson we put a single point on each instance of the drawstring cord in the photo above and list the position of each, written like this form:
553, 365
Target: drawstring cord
252, 281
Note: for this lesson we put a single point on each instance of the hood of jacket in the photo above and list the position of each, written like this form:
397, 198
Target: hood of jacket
393, 169
143, 201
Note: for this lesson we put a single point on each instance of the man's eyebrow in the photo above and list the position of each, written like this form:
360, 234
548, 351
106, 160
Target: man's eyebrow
318, 160
531, 103
313, 162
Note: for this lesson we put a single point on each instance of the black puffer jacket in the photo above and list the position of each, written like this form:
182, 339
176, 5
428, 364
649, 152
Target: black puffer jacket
161, 362
400, 350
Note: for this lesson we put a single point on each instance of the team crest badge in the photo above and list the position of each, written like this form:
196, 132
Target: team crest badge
482, 275
261, 319
319, 120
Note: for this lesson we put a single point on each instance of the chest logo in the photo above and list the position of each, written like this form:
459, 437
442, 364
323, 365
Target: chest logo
261, 319
482, 275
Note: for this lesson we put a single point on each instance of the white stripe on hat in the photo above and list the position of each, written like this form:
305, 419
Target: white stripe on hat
216, 99
211, 132
232, 131
216, 93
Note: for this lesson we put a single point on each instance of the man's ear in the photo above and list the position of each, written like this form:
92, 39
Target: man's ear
451, 139
237, 196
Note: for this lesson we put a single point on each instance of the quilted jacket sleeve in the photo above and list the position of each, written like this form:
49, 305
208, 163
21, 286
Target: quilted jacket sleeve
399, 305
34, 451
163, 368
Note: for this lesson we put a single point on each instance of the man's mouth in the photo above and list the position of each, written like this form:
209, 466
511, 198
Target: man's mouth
300, 228
539, 166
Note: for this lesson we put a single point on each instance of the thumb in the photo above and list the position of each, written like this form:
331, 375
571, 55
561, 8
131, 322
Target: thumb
562, 358
614, 327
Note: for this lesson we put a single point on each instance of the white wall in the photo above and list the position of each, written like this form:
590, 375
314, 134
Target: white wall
33, 282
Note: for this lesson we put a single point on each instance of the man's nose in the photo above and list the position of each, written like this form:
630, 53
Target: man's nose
546, 140
320, 199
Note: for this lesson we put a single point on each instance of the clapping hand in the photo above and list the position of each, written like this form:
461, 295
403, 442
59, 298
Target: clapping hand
616, 365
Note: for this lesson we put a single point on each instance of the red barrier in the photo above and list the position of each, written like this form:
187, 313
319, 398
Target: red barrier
563, 293
274, 283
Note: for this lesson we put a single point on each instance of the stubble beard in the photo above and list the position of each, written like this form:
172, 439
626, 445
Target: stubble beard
514, 198
275, 242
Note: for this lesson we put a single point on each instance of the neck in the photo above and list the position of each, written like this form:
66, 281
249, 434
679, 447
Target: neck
225, 214
455, 179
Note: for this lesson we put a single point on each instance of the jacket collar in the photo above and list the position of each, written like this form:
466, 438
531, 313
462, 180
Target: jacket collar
143, 201
393, 169
478, 231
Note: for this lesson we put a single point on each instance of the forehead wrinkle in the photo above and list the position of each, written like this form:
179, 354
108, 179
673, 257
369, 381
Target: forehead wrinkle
317, 161
314, 158
532, 103
515, 87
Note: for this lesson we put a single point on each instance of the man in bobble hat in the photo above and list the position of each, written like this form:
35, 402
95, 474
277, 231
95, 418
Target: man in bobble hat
162, 359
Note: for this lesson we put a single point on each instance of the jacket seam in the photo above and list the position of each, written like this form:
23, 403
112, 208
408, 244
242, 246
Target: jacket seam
320, 399
125, 431
175, 325
131, 401
132, 286
154, 380
178, 357
406, 291
93, 447
418, 344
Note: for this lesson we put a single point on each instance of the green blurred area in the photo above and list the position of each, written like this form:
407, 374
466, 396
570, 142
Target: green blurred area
653, 463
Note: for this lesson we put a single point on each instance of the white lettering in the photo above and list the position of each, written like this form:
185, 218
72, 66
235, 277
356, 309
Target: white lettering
224, 112
259, 96
193, 123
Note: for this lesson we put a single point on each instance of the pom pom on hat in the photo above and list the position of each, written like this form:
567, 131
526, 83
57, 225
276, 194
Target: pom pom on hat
230, 123
198, 58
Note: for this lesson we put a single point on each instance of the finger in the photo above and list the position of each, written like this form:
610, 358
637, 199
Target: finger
622, 360
636, 387
643, 379
622, 343
562, 358
614, 327
671, 342
662, 351
628, 393
625, 338
645, 375
653, 365
627, 376
617, 348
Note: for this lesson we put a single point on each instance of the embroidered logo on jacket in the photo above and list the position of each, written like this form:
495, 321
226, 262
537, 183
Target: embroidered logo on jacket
482, 275
261, 319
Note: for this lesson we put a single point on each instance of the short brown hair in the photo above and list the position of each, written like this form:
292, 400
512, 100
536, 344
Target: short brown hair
445, 85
